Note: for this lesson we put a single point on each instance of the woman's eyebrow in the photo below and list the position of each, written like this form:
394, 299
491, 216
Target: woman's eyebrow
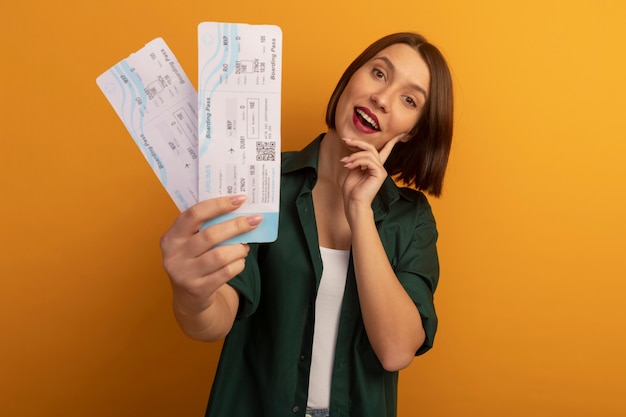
414, 86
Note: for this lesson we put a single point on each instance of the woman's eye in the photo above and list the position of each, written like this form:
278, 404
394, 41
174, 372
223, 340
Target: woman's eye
410, 101
378, 73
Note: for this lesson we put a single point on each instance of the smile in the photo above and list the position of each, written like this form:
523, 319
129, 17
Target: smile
367, 120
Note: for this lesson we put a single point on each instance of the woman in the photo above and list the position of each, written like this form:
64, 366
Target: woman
320, 321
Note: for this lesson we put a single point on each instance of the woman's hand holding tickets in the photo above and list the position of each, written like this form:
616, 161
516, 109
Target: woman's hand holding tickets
198, 266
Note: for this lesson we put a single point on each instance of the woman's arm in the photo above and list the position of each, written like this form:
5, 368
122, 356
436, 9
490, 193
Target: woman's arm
204, 305
391, 319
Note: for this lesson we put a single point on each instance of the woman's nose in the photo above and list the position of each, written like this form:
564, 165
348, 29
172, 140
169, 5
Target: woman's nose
381, 100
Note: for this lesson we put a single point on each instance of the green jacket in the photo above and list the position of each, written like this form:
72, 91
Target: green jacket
265, 360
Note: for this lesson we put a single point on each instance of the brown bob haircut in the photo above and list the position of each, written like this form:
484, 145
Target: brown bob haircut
421, 161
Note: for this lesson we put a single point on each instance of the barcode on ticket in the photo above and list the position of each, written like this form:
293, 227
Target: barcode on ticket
265, 151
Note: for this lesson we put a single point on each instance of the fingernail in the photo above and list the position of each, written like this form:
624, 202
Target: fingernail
237, 200
255, 220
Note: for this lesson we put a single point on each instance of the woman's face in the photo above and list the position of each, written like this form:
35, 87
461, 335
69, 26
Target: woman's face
385, 97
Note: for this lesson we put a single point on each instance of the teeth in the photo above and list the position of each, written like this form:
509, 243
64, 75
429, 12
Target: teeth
367, 118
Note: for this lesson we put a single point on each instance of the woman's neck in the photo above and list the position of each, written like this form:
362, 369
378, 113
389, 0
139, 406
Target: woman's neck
332, 226
329, 168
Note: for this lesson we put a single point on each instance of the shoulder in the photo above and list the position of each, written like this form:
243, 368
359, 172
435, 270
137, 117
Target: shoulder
287, 157
411, 202
414, 196
392, 191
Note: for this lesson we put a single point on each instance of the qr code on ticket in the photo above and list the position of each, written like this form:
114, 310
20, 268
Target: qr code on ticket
265, 151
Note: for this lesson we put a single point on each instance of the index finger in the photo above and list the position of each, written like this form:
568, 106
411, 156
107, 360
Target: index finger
386, 150
190, 220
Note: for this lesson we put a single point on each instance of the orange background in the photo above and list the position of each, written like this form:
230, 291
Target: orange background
531, 221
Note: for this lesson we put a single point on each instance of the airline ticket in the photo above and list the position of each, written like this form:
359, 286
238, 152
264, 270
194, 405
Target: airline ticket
158, 105
239, 92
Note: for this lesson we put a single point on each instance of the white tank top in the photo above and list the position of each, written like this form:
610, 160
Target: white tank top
327, 311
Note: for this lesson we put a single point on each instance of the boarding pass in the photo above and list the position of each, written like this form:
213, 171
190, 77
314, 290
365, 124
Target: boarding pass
232, 145
158, 105
239, 91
